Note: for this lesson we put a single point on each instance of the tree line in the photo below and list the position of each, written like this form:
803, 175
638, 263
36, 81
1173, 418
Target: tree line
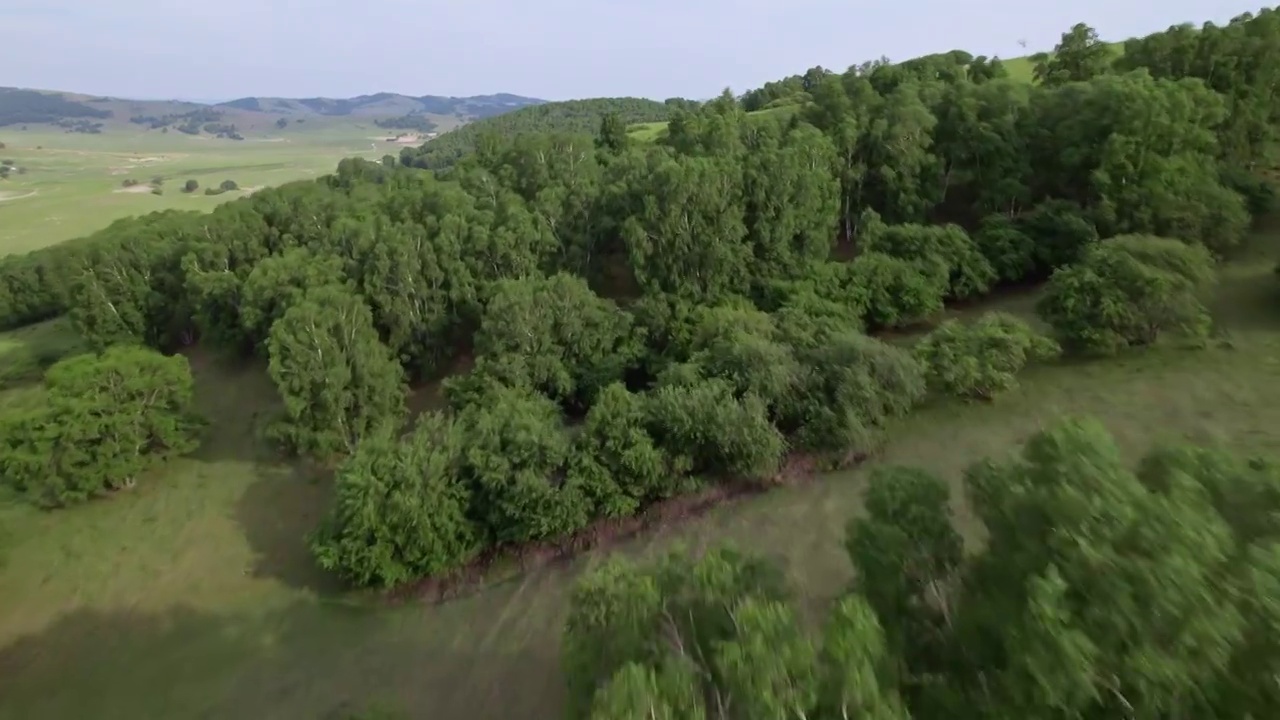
641, 321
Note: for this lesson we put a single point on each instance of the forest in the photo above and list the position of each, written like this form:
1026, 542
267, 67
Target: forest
618, 324
577, 117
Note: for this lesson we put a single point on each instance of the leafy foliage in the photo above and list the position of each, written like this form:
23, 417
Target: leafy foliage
981, 359
103, 421
1099, 592
401, 510
338, 381
1127, 292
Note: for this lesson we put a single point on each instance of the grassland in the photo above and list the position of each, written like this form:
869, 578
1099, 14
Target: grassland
194, 596
73, 182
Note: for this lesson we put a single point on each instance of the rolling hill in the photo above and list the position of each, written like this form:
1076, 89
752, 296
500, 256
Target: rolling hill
571, 116
97, 114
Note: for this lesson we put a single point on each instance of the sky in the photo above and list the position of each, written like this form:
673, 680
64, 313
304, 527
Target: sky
551, 49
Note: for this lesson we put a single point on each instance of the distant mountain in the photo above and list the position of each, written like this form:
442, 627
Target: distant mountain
387, 105
390, 111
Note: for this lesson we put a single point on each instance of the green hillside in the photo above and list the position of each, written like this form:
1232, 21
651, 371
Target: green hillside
572, 116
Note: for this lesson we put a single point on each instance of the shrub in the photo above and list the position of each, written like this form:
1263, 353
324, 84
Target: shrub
965, 271
105, 420
981, 359
852, 386
190, 186
400, 510
1128, 291
616, 461
1009, 249
703, 426
157, 191
213, 191
898, 292
129, 182
513, 462
1060, 232
229, 185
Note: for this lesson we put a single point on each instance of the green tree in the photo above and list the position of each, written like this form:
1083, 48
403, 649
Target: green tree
104, 420
190, 186
981, 359
1079, 56
400, 511
338, 381
554, 335
1128, 291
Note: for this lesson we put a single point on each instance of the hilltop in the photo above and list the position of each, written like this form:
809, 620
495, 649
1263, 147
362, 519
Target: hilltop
646, 120
80, 113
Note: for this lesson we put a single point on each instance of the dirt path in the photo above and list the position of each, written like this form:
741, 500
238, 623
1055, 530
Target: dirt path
4, 196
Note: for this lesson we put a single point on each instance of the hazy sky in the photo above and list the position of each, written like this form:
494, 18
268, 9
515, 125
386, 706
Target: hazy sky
554, 49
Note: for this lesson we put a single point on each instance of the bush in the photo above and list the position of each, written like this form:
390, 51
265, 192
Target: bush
704, 427
129, 182
898, 292
616, 461
1128, 291
229, 185
1060, 233
965, 271
213, 191
190, 186
981, 359
513, 462
1258, 193
400, 510
852, 386
105, 420
1010, 250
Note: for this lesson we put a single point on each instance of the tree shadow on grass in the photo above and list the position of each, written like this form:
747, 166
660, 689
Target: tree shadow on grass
307, 660
277, 513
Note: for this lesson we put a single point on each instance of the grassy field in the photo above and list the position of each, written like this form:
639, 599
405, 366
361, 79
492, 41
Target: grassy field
194, 595
73, 182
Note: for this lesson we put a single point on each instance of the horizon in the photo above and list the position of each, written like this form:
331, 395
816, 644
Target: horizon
667, 50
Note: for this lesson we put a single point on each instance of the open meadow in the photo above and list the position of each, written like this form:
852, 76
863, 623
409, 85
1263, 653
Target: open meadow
195, 596
71, 184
